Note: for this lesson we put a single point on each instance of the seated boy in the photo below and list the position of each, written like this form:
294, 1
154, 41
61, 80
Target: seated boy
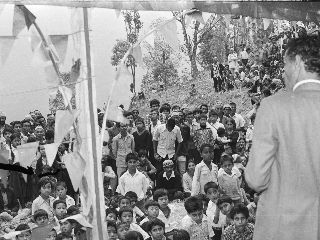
60, 209
240, 229
215, 217
156, 229
111, 215
195, 223
112, 230
41, 217
137, 213
126, 216
122, 229
225, 204
151, 209
61, 189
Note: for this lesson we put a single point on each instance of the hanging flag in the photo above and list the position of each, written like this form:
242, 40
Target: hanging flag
169, 32
60, 43
80, 219
137, 54
150, 39
19, 22
63, 123
66, 94
26, 153
6, 44
75, 165
51, 152
34, 38
266, 23
197, 16
28, 16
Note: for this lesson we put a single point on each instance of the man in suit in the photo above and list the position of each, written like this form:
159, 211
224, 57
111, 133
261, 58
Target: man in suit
284, 161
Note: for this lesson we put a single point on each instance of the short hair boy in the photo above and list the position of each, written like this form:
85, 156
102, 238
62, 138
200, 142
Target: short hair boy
225, 204
41, 217
156, 229
60, 209
152, 209
112, 230
111, 215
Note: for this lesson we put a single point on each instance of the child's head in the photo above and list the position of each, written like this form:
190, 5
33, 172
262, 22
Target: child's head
25, 234
227, 163
213, 116
112, 230
221, 132
227, 149
41, 217
139, 122
205, 202
206, 151
52, 234
156, 229
225, 204
64, 236
191, 165
239, 214
168, 166
142, 154
60, 208
133, 198
152, 208
15, 140
67, 225
203, 120
126, 215
61, 189
124, 202
45, 187
133, 235
194, 208
211, 190
122, 229
73, 210
132, 161
111, 215
161, 196
180, 234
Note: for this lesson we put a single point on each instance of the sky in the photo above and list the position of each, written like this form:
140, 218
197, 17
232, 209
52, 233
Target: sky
22, 83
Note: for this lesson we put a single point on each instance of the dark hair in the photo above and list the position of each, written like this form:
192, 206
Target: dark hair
267, 92
221, 131
22, 227
224, 199
142, 152
232, 103
164, 108
209, 185
154, 110
49, 134
139, 120
25, 121
197, 110
203, 146
44, 181
308, 47
193, 204
171, 123
14, 136
56, 202
154, 102
180, 234
40, 213
72, 209
166, 104
161, 192
213, 112
111, 210
226, 158
131, 194
63, 235
204, 198
203, 105
232, 121
127, 114
239, 208
125, 209
16, 122
119, 224
133, 235
175, 107
154, 222
203, 115
111, 224
62, 184
131, 156
151, 203
7, 129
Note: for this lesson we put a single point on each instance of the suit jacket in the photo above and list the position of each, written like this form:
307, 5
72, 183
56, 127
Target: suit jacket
285, 165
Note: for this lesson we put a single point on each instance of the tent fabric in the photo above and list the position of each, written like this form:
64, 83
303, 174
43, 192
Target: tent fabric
292, 11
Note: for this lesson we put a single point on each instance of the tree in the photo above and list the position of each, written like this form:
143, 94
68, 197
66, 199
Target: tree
118, 51
133, 25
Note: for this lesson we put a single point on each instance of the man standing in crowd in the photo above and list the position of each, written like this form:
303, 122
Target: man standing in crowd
215, 75
284, 162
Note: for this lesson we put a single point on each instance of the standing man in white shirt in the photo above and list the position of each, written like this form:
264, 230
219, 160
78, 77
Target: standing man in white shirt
244, 56
232, 60
240, 122
164, 142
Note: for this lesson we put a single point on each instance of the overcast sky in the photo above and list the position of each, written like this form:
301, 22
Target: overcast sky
18, 75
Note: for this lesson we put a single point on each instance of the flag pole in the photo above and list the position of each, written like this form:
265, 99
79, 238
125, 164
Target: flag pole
100, 227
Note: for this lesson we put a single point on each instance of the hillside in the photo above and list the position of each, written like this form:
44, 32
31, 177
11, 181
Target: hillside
179, 94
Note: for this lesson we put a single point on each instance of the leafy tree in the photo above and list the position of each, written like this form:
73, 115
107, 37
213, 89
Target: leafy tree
118, 51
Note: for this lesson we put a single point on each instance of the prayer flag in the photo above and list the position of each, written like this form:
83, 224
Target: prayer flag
63, 123
28, 16
26, 153
34, 38
75, 165
266, 23
51, 152
19, 22
169, 32
60, 43
6, 44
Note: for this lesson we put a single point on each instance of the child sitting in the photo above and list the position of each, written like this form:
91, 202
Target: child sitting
25, 232
225, 204
137, 213
111, 215
240, 229
40, 217
205, 171
124, 202
161, 196
122, 229
156, 229
215, 218
67, 226
152, 209
44, 200
195, 223
112, 230
60, 209
126, 216
228, 179
61, 189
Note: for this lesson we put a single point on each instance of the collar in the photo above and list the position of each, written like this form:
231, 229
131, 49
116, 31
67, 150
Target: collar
165, 176
304, 82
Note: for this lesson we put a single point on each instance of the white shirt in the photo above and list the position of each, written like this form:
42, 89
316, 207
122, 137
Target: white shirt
244, 55
166, 140
203, 175
211, 212
137, 183
154, 128
239, 120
